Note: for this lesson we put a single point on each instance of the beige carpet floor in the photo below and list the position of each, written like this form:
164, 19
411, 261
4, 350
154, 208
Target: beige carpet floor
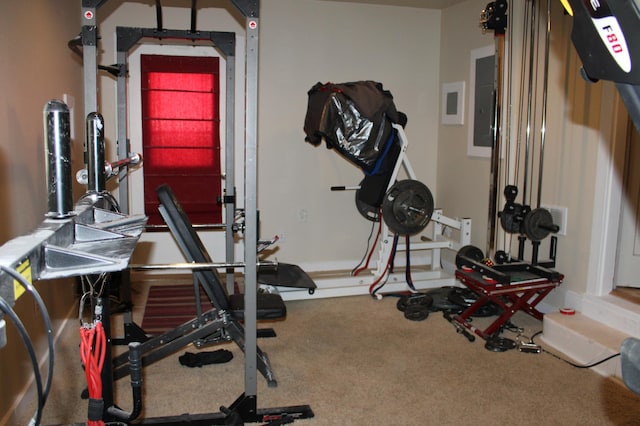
358, 361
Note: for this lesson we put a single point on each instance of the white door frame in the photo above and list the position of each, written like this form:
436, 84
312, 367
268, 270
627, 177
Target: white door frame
597, 303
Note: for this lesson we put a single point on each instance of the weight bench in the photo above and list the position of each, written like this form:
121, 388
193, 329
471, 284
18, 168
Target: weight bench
359, 120
224, 320
516, 286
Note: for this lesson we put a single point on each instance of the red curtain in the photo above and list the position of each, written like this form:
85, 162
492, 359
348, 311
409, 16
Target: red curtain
180, 131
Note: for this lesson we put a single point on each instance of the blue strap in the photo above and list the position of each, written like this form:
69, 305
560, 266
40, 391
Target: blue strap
378, 164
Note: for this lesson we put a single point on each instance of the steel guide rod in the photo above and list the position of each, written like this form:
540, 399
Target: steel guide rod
198, 266
545, 84
528, 129
494, 17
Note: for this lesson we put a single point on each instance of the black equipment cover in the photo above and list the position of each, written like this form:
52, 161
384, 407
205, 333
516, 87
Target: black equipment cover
605, 34
353, 118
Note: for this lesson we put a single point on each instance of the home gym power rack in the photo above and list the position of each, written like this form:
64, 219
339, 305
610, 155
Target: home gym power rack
244, 408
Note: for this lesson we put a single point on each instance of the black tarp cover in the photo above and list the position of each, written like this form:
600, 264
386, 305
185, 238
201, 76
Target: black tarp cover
354, 119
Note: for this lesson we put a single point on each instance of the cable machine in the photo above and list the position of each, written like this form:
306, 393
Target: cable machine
511, 282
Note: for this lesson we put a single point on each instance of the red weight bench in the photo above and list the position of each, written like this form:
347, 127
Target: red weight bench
514, 287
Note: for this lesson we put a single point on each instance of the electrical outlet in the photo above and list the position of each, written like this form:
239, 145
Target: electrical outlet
303, 215
559, 215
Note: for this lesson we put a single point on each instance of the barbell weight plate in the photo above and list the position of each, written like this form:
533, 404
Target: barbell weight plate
419, 299
441, 300
470, 251
368, 212
407, 207
499, 344
462, 297
416, 313
465, 297
538, 224
511, 217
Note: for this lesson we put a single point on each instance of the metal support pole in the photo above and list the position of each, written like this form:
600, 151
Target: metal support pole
230, 181
496, 149
251, 205
122, 140
89, 58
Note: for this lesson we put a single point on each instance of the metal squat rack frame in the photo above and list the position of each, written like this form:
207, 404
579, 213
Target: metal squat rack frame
244, 408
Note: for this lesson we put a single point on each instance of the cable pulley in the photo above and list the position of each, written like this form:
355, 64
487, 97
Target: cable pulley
407, 207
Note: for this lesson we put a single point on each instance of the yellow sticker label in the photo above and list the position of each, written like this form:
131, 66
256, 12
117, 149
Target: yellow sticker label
23, 269
567, 6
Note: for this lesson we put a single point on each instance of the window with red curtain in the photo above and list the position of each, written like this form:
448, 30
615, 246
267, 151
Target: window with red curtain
180, 134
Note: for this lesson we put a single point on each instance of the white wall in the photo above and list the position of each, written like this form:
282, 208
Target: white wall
303, 42
463, 181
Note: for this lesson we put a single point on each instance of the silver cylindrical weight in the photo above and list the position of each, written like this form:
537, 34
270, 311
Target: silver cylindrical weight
57, 134
95, 153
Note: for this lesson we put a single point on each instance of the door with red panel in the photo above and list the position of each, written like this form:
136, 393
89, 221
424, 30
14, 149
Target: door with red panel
181, 134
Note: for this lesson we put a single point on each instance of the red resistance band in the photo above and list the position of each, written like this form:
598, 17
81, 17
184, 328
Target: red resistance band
92, 354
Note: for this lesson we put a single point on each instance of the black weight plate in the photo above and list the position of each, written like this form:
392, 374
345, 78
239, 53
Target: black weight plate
418, 299
441, 300
472, 252
462, 297
402, 303
416, 313
489, 309
407, 207
511, 217
499, 344
536, 224
371, 213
